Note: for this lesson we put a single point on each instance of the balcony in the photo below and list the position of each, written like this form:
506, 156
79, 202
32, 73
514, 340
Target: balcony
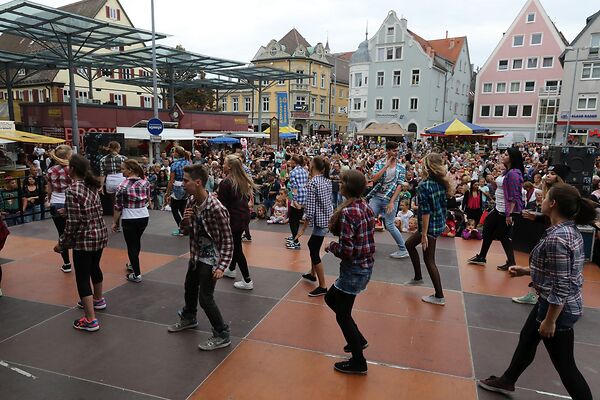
300, 87
550, 91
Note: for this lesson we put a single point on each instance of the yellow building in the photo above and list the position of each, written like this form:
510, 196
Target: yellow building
318, 103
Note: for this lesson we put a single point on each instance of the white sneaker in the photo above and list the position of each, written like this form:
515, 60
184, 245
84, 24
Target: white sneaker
244, 285
399, 254
229, 273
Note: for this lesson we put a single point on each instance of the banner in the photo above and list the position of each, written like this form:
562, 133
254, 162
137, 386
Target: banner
282, 109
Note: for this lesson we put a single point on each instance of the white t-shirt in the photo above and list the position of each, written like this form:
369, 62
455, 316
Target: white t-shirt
404, 217
500, 194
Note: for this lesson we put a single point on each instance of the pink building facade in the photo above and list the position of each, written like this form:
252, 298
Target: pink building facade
518, 88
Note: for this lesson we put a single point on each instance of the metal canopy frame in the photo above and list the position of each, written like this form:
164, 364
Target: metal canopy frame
69, 36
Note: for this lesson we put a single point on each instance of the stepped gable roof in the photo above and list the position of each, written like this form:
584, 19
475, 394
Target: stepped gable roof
292, 40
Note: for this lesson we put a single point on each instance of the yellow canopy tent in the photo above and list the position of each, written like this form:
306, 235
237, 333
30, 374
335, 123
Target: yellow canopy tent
28, 137
283, 129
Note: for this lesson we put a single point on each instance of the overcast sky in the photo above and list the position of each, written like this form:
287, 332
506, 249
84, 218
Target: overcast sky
235, 29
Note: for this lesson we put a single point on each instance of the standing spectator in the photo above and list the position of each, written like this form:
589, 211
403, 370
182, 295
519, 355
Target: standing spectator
10, 201
176, 196
298, 182
59, 180
33, 199
472, 203
334, 175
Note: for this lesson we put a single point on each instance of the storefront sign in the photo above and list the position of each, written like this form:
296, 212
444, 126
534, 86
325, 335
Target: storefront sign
282, 109
565, 115
399, 116
7, 125
54, 112
300, 115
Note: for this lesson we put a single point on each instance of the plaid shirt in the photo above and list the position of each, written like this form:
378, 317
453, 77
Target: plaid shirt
59, 178
556, 264
357, 235
298, 181
512, 187
132, 193
400, 176
110, 164
85, 229
212, 218
318, 202
177, 168
432, 201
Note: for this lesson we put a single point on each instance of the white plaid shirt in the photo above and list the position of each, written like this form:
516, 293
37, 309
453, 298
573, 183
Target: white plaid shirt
318, 207
298, 181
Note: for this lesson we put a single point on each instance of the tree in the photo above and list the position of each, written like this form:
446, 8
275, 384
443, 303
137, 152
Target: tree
193, 98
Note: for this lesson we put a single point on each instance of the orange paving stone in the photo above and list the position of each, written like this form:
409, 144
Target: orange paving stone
18, 247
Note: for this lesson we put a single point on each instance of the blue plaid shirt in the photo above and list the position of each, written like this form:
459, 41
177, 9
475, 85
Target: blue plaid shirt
556, 264
298, 181
178, 192
380, 189
432, 201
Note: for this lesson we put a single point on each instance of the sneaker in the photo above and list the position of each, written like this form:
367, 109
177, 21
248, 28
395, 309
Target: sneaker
133, 278
399, 254
440, 301
495, 384
293, 245
504, 267
229, 273
414, 282
183, 324
320, 291
350, 367
244, 285
66, 268
128, 267
214, 343
477, 260
309, 277
246, 238
98, 304
177, 232
529, 298
85, 325
289, 239
347, 347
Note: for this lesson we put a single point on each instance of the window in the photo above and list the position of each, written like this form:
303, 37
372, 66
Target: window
119, 99
529, 86
357, 80
437, 100
485, 111
281, 83
536, 39
265, 103
322, 81
314, 79
265, 82
301, 100
127, 73
591, 71
224, 104
513, 110
414, 104
587, 102
147, 102
502, 65
515, 87
526, 111
501, 87
499, 111
247, 104
235, 104
160, 103
487, 87
322, 105
389, 53
390, 30
530, 18
365, 105
532, 62
113, 13
547, 62
395, 104
518, 41
378, 104
313, 105
380, 78
341, 93
22, 72
594, 45
415, 77
398, 52
356, 105
517, 63
300, 81
397, 79
381, 54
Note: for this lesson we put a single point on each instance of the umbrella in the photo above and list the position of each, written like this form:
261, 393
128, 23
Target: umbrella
224, 140
283, 129
287, 136
456, 127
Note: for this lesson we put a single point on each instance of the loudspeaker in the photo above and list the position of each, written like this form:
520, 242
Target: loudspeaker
580, 159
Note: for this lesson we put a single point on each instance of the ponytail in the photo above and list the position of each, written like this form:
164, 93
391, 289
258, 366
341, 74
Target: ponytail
80, 166
91, 180
571, 205
586, 214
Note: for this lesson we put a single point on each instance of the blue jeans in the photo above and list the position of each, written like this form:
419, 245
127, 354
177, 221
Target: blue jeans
33, 214
378, 205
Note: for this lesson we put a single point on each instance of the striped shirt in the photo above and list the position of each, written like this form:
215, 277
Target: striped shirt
318, 207
298, 181
432, 201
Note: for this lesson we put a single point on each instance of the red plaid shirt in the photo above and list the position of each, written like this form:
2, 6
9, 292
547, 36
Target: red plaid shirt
59, 178
85, 228
357, 235
132, 193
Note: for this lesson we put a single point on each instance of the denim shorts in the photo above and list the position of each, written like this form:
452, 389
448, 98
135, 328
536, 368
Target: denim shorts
353, 279
565, 320
319, 231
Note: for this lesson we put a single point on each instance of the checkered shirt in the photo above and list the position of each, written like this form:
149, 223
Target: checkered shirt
59, 178
432, 201
400, 177
298, 181
177, 168
357, 235
132, 193
111, 164
556, 264
85, 229
318, 207
513, 187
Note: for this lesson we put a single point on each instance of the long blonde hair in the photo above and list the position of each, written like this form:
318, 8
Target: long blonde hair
239, 178
434, 168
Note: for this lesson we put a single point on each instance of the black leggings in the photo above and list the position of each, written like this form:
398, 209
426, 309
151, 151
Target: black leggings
87, 266
133, 229
177, 209
294, 219
314, 246
429, 258
341, 303
495, 228
238, 256
560, 349
60, 222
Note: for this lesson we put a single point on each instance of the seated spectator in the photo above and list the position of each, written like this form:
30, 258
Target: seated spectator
471, 232
403, 216
279, 214
413, 225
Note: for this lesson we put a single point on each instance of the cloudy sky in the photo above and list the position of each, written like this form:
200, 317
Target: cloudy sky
235, 29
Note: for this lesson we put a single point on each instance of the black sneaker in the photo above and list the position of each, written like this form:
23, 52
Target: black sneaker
246, 238
66, 268
495, 384
477, 260
320, 291
504, 267
309, 277
350, 367
347, 347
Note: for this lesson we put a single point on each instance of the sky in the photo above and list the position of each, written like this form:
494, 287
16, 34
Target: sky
235, 29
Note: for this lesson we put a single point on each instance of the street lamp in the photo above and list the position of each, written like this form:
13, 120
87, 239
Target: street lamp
567, 49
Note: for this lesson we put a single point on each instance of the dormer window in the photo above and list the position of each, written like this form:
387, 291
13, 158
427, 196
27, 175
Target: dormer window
273, 51
390, 30
530, 17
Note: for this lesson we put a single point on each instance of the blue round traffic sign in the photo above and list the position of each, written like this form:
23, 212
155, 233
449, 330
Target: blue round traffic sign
155, 126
